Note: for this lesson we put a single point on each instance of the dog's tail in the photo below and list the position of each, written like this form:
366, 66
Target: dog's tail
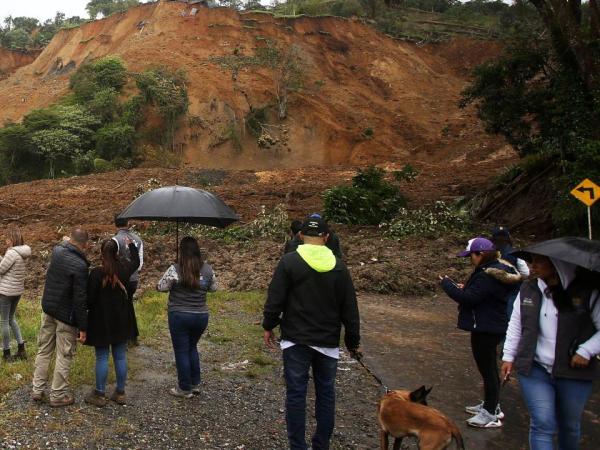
457, 437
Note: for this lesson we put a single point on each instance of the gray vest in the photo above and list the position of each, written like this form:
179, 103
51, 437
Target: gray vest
574, 328
183, 299
124, 250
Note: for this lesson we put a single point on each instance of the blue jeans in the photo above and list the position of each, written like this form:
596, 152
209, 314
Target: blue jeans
555, 405
297, 361
8, 306
186, 330
119, 354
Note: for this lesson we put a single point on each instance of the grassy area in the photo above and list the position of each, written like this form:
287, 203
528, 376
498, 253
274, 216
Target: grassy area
233, 327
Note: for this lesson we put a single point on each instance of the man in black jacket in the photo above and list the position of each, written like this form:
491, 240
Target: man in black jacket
310, 297
64, 318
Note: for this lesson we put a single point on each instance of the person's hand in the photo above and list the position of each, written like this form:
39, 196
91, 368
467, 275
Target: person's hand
579, 362
127, 240
82, 337
270, 340
356, 353
460, 285
506, 371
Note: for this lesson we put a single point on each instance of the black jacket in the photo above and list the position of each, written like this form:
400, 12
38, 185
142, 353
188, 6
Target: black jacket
111, 315
65, 291
333, 243
482, 302
312, 306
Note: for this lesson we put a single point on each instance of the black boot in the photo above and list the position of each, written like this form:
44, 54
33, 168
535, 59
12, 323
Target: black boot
21, 354
6, 356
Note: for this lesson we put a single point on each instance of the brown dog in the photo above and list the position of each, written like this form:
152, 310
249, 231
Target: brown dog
404, 413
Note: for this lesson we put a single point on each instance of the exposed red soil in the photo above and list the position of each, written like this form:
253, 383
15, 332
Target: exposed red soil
354, 79
11, 60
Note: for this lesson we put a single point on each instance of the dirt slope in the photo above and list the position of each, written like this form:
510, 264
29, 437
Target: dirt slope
355, 79
11, 61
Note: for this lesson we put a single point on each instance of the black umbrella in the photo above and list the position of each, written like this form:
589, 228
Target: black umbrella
575, 250
181, 204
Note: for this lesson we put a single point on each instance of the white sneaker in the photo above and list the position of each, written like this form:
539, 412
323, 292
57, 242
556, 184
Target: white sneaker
484, 420
474, 410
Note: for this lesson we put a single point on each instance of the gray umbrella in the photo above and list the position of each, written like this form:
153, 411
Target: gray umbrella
181, 204
580, 251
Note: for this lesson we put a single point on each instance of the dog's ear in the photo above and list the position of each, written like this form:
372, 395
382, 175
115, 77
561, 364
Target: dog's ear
419, 396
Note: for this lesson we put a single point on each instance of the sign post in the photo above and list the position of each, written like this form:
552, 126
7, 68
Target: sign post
588, 193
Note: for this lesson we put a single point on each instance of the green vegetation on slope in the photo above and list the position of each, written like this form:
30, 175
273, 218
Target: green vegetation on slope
95, 128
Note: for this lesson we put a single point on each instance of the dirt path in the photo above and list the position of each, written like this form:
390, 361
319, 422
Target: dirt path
234, 411
413, 341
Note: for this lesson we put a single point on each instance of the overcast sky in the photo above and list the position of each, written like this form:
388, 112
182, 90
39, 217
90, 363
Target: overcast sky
46, 9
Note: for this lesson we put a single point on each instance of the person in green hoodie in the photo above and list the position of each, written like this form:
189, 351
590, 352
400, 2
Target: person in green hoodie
310, 297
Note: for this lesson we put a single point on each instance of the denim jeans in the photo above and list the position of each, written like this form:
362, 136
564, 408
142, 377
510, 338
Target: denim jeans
297, 361
119, 353
8, 306
555, 405
186, 330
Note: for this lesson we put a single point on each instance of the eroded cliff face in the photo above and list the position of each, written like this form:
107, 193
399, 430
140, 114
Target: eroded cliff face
364, 99
11, 60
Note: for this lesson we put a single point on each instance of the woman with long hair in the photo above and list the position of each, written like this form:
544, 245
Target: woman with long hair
111, 318
482, 312
12, 281
187, 282
552, 342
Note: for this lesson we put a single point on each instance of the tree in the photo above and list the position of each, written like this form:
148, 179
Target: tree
29, 24
104, 73
18, 39
56, 144
115, 141
575, 42
289, 77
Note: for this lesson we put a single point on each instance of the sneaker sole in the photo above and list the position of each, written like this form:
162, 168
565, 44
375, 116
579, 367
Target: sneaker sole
497, 424
500, 416
474, 413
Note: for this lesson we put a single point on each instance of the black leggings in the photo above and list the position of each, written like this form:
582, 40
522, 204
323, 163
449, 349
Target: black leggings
484, 347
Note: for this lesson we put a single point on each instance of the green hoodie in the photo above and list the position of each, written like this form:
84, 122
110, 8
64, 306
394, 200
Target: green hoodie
319, 257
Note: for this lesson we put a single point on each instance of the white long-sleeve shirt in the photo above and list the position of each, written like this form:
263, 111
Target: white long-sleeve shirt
546, 343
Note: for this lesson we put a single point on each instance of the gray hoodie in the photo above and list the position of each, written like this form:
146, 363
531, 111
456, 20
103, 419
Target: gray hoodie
12, 270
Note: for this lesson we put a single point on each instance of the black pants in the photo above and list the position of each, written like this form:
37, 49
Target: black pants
484, 347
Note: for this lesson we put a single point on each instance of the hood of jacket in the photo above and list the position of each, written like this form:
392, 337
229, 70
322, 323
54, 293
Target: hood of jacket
319, 257
566, 271
503, 271
24, 251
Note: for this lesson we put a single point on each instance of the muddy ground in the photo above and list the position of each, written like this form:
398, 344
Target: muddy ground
407, 341
413, 341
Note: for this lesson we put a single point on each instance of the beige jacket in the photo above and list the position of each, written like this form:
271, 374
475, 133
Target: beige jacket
12, 270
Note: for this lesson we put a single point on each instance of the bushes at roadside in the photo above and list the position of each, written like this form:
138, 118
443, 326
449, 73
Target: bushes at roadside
370, 200
427, 221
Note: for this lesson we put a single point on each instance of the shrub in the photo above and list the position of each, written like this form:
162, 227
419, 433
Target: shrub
430, 221
369, 201
104, 73
408, 173
115, 140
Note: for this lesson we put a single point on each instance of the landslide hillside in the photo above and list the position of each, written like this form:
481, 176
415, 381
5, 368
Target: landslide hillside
365, 98
11, 60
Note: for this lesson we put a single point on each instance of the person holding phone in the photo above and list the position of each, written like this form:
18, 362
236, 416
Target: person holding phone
482, 312
552, 341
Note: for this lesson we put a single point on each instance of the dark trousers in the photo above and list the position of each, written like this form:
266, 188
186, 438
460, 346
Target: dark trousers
484, 347
186, 330
297, 361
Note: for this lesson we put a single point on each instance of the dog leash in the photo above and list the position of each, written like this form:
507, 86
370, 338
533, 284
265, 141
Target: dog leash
370, 372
